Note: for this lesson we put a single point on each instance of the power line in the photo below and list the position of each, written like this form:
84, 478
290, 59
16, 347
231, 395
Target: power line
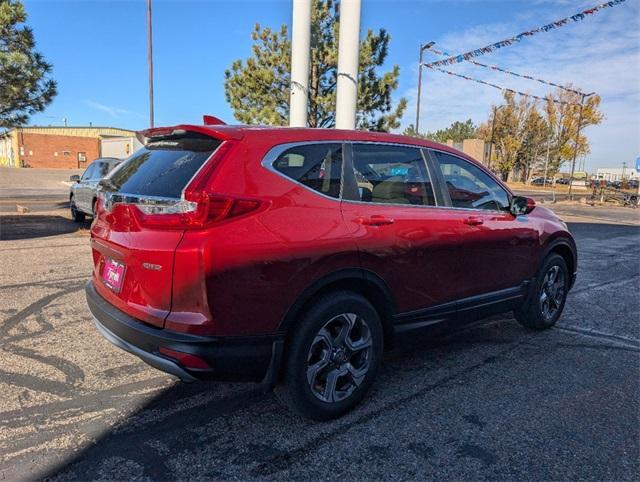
504, 89
500, 69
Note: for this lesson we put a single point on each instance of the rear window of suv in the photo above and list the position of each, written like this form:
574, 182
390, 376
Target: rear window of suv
164, 167
317, 166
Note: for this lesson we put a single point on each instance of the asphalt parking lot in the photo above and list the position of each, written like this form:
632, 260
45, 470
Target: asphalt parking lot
493, 401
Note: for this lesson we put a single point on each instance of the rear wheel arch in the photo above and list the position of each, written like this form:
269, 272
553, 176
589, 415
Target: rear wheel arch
363, 282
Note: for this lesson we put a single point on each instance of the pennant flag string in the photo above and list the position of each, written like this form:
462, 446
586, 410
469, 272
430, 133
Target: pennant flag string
500, 69
504, 89
510, 41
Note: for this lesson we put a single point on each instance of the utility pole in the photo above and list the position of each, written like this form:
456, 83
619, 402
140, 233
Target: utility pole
638, 174
348, 53
423, 47
546, 161
300, 60
150, 61
493, 130
575, 150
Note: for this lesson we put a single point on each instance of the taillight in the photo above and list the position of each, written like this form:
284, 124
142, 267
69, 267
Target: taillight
197, 210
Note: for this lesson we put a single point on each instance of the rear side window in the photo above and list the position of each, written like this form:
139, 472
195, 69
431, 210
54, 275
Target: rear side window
317, 166
104, 169
390, 174
89, 172
469, 186
163, 167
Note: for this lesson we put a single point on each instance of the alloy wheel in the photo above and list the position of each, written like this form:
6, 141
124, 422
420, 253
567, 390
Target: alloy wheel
552, 292
339, 357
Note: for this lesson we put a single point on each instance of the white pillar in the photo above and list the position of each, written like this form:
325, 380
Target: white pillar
300, 53
348, 59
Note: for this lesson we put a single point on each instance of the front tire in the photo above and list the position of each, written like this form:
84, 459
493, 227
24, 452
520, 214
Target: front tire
548, 297
333, 357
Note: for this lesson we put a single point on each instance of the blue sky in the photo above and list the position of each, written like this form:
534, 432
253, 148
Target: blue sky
98, 49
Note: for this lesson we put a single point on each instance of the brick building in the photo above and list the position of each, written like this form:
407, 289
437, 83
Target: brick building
60, 147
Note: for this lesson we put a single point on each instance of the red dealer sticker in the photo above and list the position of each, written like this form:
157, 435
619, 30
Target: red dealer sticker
113, 274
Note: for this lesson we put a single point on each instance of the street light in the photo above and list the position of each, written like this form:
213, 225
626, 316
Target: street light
423, 47
575, 150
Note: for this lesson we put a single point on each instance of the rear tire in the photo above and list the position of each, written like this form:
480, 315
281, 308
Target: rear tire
76, 215
333, 357
548, 295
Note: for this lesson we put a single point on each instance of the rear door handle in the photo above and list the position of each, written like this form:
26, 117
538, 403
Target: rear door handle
473, 221
375, 220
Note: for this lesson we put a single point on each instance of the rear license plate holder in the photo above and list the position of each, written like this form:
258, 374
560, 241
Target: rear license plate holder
113, 275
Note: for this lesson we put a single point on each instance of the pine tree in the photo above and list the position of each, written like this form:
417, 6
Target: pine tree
258, 88
25, 84
457, 132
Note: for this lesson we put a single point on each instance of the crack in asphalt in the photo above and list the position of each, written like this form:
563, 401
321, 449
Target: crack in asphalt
48, 282
40, 414
191, 417
49, 246
626, 341
35, 307
73, 373
283, 461
606, 283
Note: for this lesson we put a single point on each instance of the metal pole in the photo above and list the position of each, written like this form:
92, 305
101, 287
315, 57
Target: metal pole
546, 162
423, 47
419, 89
575, 150
348, 61
300, 60
493, 128
150, 61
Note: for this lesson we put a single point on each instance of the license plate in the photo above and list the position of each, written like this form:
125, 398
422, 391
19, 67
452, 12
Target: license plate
113, 274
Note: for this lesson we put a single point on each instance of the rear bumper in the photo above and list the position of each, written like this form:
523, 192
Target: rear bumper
230, 358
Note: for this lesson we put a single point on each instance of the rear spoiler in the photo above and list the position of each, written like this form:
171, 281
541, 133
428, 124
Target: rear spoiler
221, 132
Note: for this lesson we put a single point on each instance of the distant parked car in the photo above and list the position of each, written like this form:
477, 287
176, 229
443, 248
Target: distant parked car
540, 181
633, 184
563, 180
83, 195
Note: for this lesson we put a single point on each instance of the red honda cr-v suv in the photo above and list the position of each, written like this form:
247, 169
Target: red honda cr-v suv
292, 256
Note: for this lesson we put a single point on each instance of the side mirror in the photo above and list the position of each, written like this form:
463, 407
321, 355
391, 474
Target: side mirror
521, 205
74, 178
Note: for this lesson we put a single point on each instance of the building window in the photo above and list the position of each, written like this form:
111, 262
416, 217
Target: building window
66, 153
